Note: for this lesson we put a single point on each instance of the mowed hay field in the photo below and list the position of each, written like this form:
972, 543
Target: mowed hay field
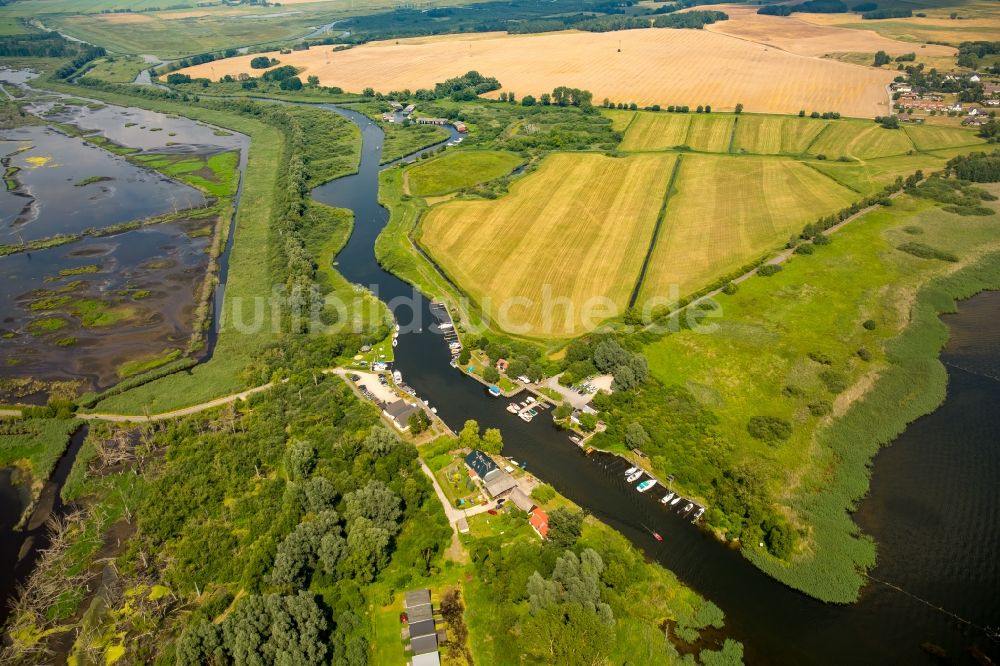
656, 131
931, 137
576, 229
860, 140
653, 66
710, 133
939, 28
727, 211
457, 170
776, 135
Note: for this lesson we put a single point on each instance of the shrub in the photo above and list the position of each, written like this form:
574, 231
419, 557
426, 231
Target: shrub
820, 408
730, 288
869, 324
820, 357
263, 62
793, 391
835, 382
926, 252
769, 269
822, 239
805, 248
770, 429
864, 354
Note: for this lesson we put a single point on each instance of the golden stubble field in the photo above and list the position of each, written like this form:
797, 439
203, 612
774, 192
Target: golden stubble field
568, 240
653, 66
803, 37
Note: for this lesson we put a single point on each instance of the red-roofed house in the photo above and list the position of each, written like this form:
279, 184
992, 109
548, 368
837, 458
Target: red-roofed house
539, 522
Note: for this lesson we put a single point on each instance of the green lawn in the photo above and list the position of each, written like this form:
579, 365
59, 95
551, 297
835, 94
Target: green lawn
459, 170
117, 69
403, 140
760, 361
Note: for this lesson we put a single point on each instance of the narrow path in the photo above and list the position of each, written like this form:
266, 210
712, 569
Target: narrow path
456, 550
185, 411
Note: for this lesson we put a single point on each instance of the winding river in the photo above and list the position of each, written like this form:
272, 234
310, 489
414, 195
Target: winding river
932, 508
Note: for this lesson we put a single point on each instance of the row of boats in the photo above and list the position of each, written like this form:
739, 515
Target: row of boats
671, 499
525, 409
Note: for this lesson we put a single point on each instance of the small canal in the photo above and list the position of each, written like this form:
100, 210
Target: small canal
932, 508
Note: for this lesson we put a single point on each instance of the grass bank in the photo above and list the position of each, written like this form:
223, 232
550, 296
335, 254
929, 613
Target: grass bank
913, 384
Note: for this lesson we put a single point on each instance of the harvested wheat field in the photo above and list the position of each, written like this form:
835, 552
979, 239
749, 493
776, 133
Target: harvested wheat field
776, 135
915, 29
576, 229
654, 66
803, 37
726, 211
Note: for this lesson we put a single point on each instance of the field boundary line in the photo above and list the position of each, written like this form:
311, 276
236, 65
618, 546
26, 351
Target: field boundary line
805, 151
656, 232
826, 175
635, 114
732, 135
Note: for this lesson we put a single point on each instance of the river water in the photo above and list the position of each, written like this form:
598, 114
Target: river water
932, 509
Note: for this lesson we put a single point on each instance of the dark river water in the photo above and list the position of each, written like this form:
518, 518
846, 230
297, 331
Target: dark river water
933, 503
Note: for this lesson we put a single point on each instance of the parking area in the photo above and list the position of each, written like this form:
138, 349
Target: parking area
369, 381
584, 393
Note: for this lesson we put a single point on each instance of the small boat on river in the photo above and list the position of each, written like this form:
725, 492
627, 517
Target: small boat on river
634, 476
513, 408
631, 470
494, 391
645, 485
688, 507
667, 498
679, 498
698, 514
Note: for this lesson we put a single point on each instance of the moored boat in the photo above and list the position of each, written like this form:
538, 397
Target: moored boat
645, 485
634, 476
667, 498
678, 499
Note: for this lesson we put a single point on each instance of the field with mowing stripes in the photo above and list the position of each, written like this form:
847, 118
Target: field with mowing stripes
656, 131
775, 135
863, 141
934, 137
710, 133
725, 212
577, 228
458, 170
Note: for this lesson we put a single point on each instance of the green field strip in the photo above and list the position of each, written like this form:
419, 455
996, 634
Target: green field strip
732, 135
816, 138
656, 232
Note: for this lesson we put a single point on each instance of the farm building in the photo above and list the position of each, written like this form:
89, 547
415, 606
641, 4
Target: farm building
432, 121
460, 127
400, 412
521, 501
500, 485
539, 521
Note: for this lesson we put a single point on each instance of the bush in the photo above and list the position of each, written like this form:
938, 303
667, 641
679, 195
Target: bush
770, 429
490, 374
820, 357
869, 324
835, 382
926, 252
263, 62
730, 288
820, 408
864, 354
821, 239
768, 270
805, 248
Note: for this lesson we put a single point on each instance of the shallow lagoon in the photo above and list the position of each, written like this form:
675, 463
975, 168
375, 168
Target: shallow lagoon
54, 195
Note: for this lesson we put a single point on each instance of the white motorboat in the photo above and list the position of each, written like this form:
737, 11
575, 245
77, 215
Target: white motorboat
634, 476
667, 498
698, 514
679, 498
631, 470
688, 507
645, 485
